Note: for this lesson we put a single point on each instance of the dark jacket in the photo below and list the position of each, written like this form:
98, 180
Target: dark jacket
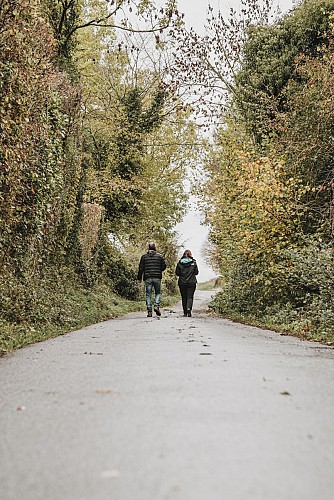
151, 265
187, 270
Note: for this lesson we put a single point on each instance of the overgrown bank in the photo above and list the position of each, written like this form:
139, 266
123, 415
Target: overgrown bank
282, 324
64, 307
92, 142
269, 193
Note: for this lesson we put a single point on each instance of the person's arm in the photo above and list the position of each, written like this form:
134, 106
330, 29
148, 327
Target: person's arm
163, 264
177, 270
196, 271
141, 268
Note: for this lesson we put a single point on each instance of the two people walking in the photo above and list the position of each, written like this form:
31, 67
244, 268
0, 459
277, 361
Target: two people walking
151, 266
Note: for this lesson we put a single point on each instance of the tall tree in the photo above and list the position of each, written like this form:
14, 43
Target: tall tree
37, 103
69, 17
269, 193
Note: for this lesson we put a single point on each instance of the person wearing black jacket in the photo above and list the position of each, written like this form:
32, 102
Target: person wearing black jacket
187, 271
151, 266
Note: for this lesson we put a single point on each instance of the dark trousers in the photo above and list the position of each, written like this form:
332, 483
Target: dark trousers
187, 294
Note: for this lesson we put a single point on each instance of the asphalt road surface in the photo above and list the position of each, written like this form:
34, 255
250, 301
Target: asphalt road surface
178, 408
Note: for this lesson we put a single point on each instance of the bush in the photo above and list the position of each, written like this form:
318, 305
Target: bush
122, 276
311, 284
299, 297
35, 299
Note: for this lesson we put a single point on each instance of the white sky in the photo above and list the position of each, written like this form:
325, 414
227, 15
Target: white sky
195, 10
192, 233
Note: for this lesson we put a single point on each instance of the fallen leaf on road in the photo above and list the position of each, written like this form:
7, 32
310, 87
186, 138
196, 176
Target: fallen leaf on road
104, 391
94, 353
21, 408
110, 473
285, 393
205, 354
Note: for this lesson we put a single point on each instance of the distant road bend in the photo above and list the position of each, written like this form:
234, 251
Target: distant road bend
178, 408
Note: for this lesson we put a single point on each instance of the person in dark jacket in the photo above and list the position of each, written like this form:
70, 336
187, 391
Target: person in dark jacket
187, 271
151, 266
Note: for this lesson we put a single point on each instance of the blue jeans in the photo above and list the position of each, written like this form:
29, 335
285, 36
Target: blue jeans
149, 284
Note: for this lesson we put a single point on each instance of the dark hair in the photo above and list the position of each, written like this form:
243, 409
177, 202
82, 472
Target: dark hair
151, 246
186, 253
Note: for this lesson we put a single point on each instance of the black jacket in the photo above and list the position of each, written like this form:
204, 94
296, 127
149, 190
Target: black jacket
187, 270
151, 265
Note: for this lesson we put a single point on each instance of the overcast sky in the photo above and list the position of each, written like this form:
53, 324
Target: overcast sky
195, 10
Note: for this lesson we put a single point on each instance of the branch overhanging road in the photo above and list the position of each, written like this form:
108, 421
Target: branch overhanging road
178, 408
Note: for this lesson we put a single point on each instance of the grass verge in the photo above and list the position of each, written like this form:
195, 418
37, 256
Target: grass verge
267, 323
78, 308
209, 285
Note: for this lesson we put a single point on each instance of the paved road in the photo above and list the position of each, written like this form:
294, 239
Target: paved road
177, 408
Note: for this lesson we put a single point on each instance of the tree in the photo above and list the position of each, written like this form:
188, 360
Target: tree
135, 132
268, 197
306, 129
268, 62
69, 17
204, 67
36, 106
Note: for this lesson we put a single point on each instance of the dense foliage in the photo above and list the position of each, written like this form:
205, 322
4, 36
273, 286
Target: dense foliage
83, 181
269, 194
95, 143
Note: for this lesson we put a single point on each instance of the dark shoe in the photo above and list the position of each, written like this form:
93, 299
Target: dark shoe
189, 314
149, 314
184, 314
157, 311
